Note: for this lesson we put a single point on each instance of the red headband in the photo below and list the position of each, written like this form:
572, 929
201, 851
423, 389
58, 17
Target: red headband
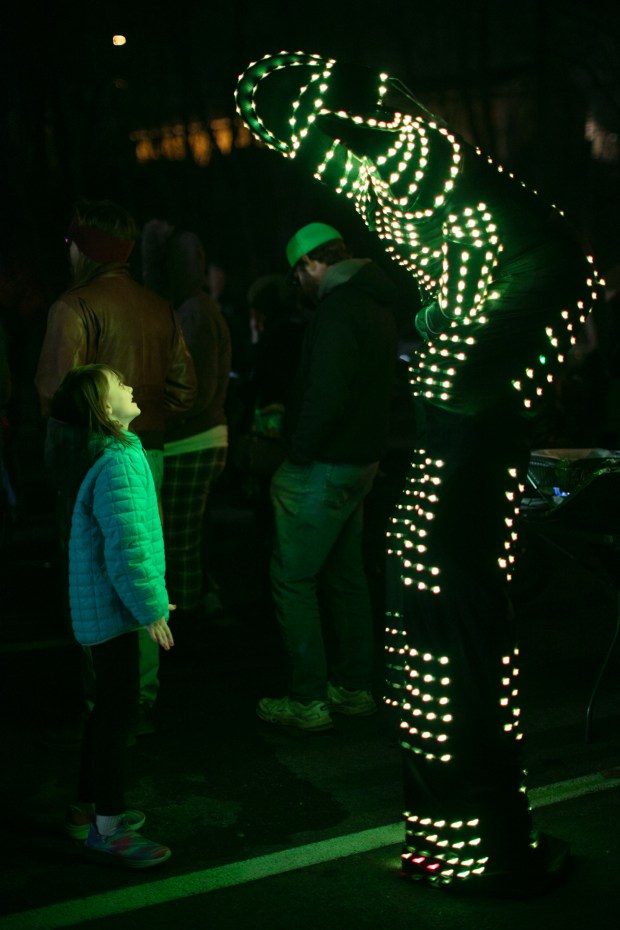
100, 246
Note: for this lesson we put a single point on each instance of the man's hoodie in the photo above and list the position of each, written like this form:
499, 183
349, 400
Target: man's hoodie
340, 407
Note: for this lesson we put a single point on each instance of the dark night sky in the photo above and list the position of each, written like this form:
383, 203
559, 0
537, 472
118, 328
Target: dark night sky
71, 99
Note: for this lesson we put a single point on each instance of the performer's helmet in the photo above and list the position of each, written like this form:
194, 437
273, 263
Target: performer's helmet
308, 238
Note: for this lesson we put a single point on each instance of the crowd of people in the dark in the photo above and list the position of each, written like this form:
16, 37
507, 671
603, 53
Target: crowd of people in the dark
234, 395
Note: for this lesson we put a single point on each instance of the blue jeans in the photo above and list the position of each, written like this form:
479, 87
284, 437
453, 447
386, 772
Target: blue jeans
319, 513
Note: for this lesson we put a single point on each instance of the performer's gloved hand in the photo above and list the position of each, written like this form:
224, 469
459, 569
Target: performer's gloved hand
421, 323
353, 88
364, 141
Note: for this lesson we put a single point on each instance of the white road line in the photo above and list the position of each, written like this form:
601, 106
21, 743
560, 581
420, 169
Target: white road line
134, 897
573, 788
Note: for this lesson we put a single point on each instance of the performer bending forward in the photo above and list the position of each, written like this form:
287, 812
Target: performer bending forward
504, 287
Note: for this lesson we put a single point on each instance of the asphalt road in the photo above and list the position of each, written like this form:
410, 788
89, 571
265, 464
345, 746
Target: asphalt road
236, 798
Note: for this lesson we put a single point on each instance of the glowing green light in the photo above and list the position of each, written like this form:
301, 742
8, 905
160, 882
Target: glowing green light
409, 192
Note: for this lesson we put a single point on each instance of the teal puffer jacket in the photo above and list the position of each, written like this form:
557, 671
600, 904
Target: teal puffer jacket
116, 548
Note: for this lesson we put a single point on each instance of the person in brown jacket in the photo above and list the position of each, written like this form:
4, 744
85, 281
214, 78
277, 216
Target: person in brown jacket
105, 316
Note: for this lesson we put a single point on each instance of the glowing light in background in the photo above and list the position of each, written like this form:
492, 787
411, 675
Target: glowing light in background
196, 140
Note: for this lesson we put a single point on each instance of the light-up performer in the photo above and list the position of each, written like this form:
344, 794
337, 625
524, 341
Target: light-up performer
504, 286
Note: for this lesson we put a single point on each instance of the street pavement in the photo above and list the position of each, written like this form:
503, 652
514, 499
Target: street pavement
365, 891
236, 798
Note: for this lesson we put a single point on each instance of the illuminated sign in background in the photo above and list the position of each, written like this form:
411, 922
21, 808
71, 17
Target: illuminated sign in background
195, 140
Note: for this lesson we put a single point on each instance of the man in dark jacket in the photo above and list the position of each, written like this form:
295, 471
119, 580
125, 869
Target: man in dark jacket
107, 317
336, 426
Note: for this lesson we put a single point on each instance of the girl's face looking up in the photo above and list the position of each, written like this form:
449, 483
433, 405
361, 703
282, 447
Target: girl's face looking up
120, 404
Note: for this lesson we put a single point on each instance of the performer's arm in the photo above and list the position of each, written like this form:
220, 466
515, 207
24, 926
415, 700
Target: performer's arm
471, 249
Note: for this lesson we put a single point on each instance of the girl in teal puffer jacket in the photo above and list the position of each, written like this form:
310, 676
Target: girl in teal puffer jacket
116, 586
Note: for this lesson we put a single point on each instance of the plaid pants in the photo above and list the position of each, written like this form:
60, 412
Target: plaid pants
187, 481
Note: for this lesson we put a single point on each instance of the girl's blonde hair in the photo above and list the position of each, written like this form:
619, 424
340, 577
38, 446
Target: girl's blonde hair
81, 398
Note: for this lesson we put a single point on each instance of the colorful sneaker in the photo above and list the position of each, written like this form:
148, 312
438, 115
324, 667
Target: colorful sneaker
78, 818
313, 716
351, 703
126, 848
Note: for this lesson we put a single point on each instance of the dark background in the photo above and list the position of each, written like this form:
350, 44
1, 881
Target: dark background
536, 83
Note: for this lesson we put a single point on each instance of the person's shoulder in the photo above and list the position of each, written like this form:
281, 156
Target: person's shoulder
127, 282
127, 446
337, 306
146, 292
67, 302
332, 323
120, 281
371, 284
122, 457
75, 298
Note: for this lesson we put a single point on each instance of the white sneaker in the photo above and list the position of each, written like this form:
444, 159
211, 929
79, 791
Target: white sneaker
312, 716
351, 703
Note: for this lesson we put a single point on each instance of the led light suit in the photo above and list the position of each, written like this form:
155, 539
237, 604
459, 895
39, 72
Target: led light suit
504, 286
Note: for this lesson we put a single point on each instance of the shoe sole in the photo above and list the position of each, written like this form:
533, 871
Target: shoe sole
353, 711
109, 859
294, 725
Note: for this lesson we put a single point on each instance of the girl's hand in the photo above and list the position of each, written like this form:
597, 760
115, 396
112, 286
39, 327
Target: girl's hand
159, 631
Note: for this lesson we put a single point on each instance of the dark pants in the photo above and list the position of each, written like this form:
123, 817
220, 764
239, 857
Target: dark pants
319, 514
103, 762
453, 664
